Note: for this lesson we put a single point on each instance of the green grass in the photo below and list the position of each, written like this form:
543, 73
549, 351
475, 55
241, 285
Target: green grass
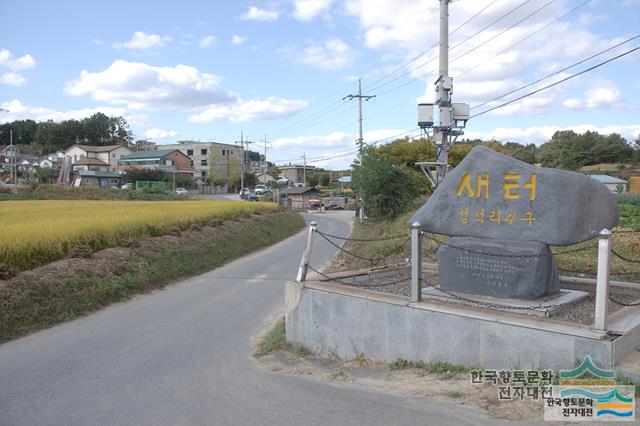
28, 306
275, 340
444, 369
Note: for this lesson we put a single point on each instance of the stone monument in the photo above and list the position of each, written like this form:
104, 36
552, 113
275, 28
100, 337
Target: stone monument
502, 215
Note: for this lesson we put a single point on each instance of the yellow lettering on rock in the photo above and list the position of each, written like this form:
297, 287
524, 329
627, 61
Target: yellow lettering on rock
465, 185
507, 187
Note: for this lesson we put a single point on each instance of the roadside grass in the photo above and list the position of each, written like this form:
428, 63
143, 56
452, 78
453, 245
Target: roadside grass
38, 232
275, 340
28, 306
443, 369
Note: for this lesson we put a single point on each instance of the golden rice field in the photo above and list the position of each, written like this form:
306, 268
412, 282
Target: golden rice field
35, 232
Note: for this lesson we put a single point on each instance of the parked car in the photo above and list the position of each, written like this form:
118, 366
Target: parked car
250, 197
244, 192
260, 189
181, 191
127, 185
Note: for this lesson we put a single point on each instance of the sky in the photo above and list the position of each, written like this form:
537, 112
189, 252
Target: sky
277, 71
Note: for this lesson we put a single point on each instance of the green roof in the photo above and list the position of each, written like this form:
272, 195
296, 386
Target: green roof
141, 155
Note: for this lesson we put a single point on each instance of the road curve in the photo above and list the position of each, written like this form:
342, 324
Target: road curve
180, 356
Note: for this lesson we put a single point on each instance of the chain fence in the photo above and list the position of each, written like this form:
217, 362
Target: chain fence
397, 279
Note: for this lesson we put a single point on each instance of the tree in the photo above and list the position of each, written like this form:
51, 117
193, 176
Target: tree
274, 171
313, 180
388, 189
216, 177
234, 172
325, 180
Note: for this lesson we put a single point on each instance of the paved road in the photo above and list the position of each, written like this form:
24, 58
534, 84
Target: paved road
181, 357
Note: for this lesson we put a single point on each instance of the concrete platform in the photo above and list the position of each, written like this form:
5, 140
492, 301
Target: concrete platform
542, 307
346, 321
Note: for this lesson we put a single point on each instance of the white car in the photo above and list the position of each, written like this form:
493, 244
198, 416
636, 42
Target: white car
260, 189
181, 191
127, 186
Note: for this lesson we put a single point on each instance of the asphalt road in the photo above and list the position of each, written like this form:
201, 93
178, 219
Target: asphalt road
180, 356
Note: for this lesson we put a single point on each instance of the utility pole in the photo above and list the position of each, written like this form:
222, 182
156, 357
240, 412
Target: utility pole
264, 168
360, 97
242, 161
448, 118
304, 170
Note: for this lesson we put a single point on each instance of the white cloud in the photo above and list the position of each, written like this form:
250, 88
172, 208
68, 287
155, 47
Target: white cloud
334, 140
140, 40
604, 96
238, 40
256, 14
139, 86
398, 28
19, 111
306, 10
542, 134
207, 41
333, 54
16, 64
572, 103
253, 110
12, 79
97, 41
160, 134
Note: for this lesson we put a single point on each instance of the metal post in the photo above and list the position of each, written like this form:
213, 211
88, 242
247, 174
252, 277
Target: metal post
416, 263
306, 256
602, 281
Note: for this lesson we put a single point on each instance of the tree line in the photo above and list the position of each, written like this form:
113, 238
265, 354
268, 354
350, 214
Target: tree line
389, 181
50, 136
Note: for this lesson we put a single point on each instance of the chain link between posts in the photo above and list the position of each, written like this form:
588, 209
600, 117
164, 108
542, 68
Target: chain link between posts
374, 262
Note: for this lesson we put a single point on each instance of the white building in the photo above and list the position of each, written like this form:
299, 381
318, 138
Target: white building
201, 155
104, 158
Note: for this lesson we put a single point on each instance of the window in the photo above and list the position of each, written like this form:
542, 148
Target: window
191, 163
203, 151
189, 152
203, 162
203, 174
168, 163
223, 152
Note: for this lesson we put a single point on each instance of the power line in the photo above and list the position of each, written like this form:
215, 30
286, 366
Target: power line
457, 45
525, 38
471, 50
504, 31
317, 120
421, 54
557, 82
557, 72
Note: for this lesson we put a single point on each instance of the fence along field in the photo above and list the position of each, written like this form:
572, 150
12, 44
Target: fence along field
38, 232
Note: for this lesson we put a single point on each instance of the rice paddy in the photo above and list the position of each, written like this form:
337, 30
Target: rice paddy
35, 232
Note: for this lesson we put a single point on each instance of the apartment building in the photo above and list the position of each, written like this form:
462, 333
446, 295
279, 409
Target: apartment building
204, 155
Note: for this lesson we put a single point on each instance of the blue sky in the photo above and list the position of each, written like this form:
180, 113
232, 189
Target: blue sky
279, 69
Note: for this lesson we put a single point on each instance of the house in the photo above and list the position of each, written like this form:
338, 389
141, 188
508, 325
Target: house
613, 184
299, 198
108, 155
265, 178
296, 172
201, 154
166, 160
